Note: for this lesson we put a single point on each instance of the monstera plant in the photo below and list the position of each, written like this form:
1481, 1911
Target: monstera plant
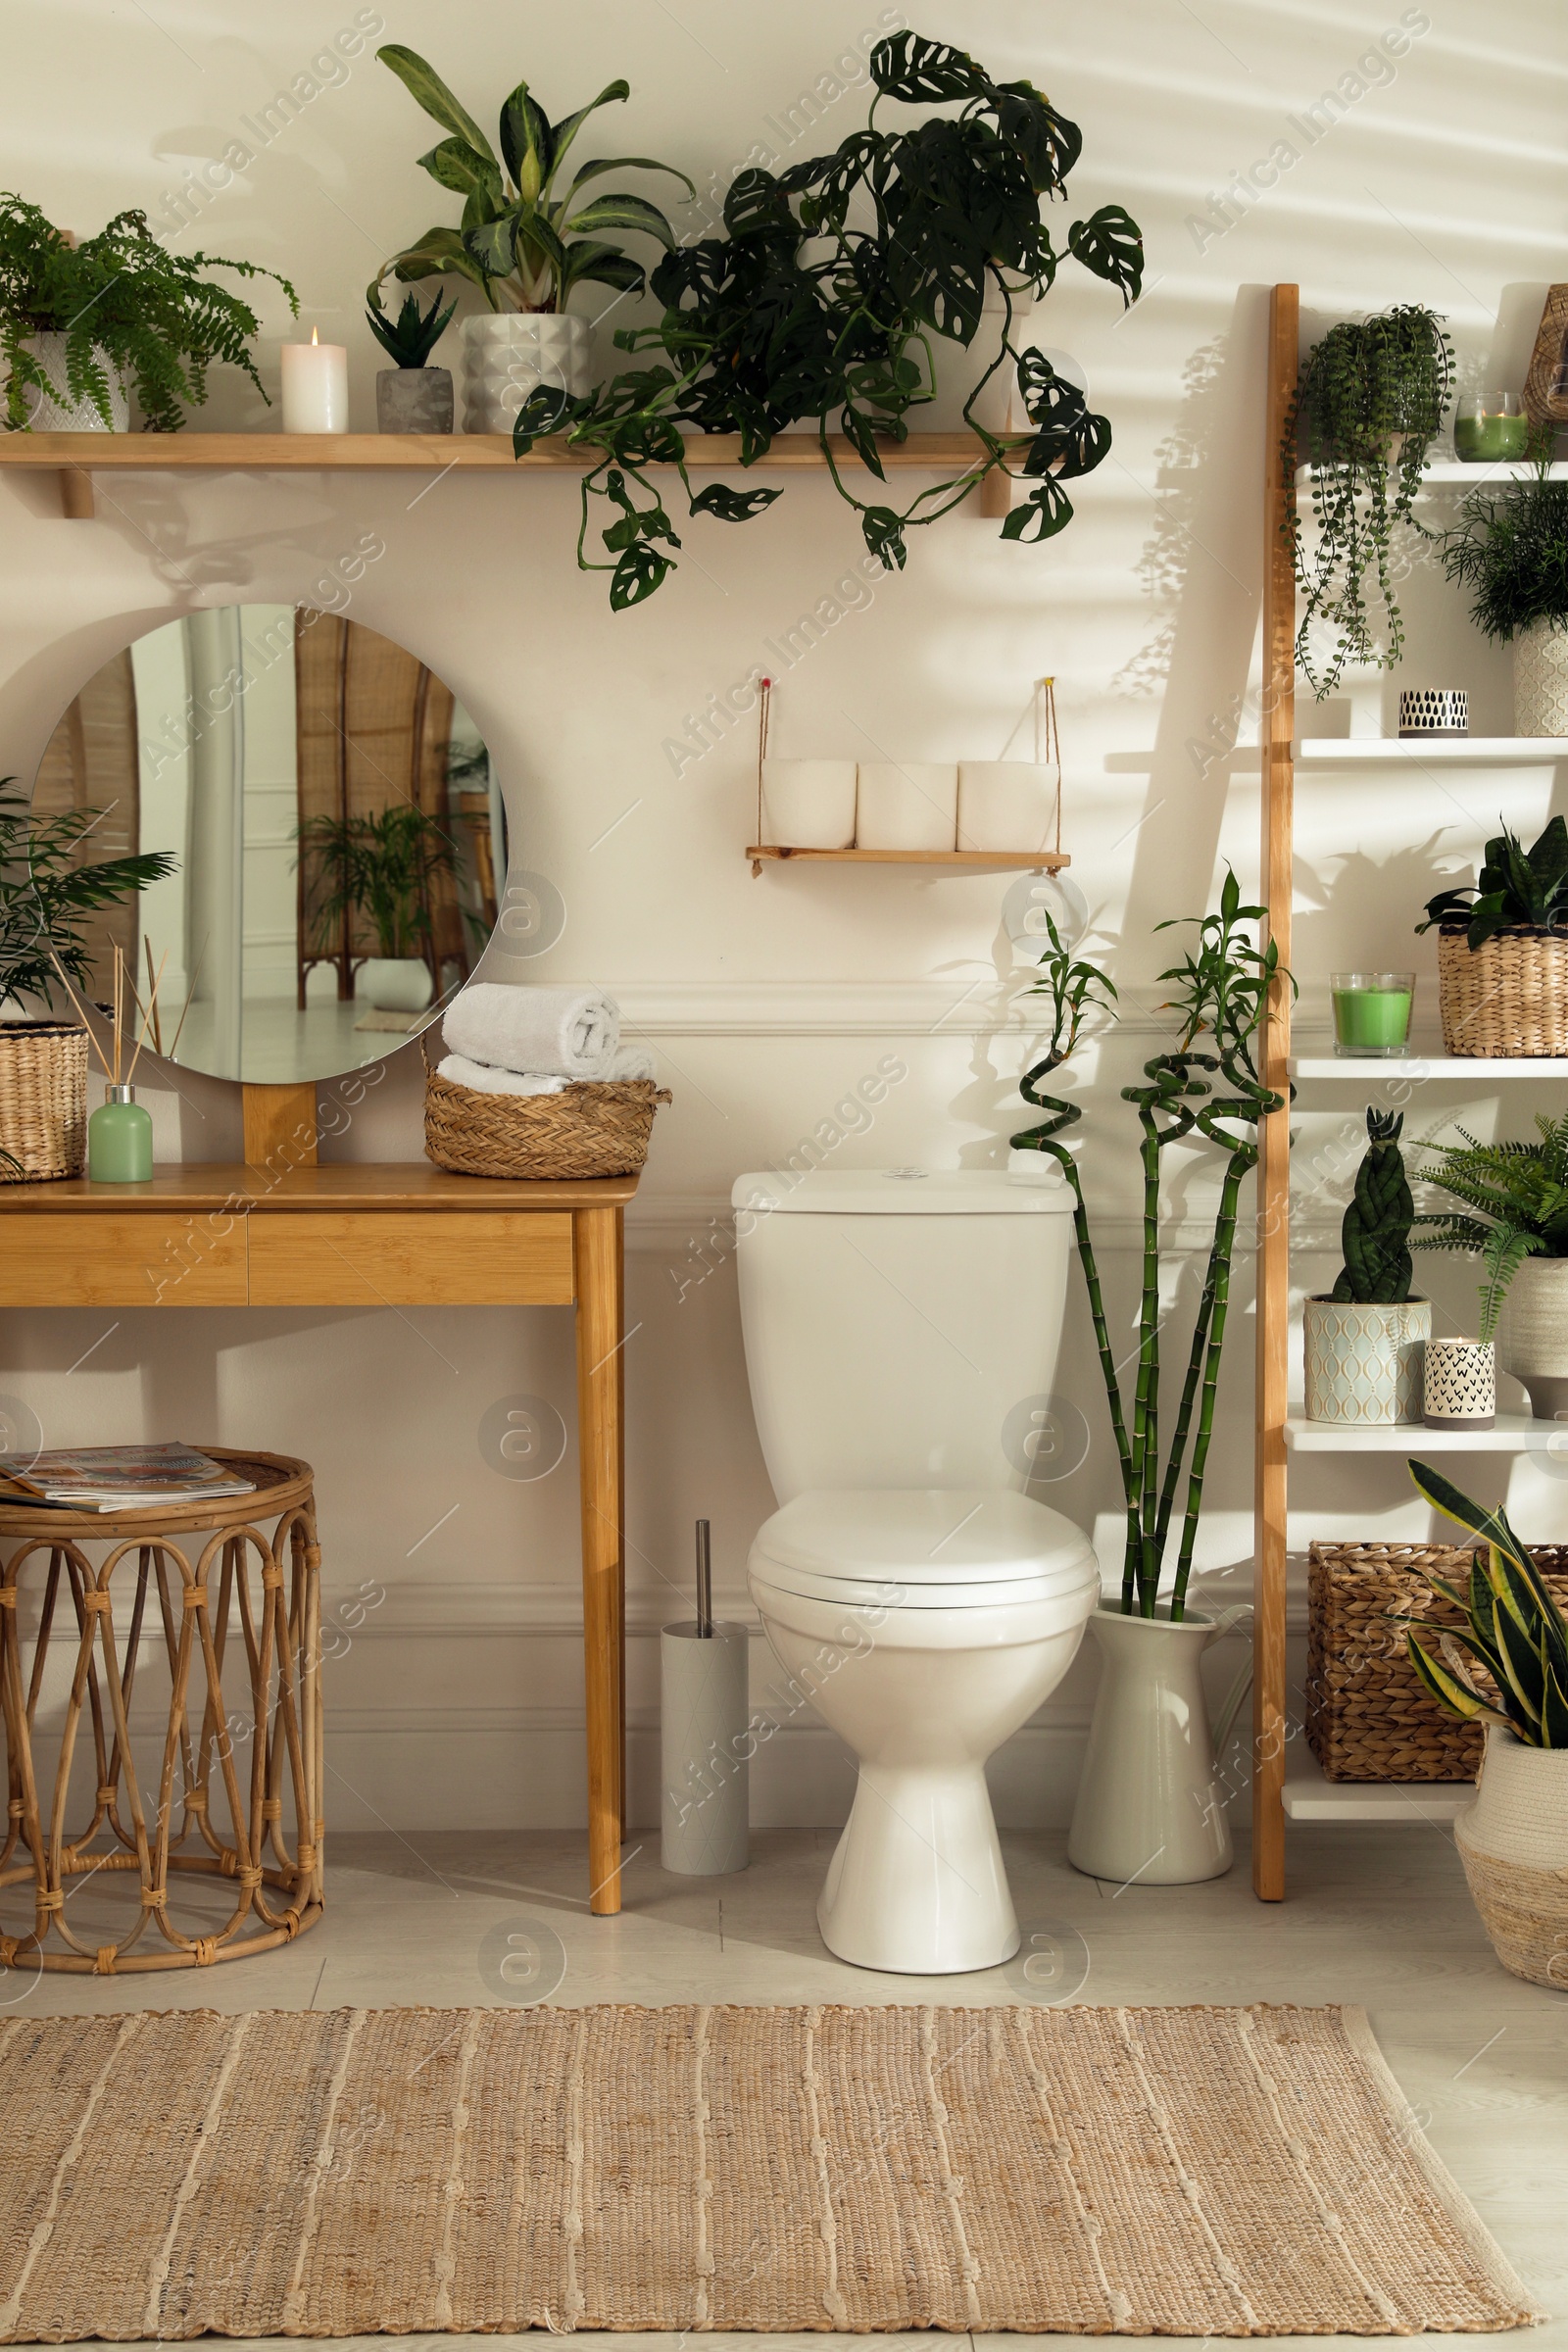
822, 302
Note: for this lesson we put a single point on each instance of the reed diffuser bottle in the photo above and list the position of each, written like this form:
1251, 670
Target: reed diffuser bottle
120, 1133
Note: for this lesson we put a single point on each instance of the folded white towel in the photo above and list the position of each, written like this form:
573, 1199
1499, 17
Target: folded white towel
630, 1062
565, 1032
486, 1081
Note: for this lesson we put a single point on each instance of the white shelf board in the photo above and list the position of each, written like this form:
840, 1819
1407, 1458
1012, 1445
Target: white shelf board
1427, 751
1363, 1069
1308, 1797
1510, 1433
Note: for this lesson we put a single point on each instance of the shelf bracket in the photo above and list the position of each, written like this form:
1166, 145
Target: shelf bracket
76, 501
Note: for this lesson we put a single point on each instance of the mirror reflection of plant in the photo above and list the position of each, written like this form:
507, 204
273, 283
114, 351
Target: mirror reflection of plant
1222, 993
47, 895
822, 302
384, 866
1519, 889
1511, 549
1513, 1628
410, 338
125, 303
1367, 385
1513, 1204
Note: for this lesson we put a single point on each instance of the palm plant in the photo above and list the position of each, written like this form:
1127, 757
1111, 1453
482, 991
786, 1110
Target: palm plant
1222, 990
47, 894
1511, 551
1513, 1630
383, 866
1513, 1204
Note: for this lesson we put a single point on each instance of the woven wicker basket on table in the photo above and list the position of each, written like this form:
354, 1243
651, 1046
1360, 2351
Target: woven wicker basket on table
43, 1100
1509, 999
595, 1128
1368, 1717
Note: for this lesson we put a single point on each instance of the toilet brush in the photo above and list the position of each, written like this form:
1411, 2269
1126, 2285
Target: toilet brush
702, 1742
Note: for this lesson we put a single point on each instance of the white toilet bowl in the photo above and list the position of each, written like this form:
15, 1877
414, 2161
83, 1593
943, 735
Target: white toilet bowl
925, 1626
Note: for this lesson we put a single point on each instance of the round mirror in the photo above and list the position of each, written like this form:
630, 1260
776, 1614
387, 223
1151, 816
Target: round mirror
334, 838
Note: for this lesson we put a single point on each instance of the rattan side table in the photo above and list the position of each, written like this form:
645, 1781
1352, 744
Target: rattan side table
206, 1580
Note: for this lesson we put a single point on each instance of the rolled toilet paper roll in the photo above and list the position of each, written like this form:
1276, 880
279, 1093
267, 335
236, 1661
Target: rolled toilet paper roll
906, 804
808, 803
704, 1772
1006, 804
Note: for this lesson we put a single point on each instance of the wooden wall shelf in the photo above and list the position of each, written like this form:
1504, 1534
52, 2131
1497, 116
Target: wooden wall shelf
76, 456
1044, 861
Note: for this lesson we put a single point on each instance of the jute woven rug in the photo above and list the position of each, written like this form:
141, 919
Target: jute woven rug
1196, 2172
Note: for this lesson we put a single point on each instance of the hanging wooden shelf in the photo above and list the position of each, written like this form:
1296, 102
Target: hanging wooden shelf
76, 456
1044, 861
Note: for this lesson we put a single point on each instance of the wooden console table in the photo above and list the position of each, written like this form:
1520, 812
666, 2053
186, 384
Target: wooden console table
401, 1234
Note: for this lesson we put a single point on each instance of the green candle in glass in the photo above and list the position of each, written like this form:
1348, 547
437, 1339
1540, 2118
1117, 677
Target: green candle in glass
1372, 1013
1490, 427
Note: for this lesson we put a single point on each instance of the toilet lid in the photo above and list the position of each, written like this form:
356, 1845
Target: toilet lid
925, 1547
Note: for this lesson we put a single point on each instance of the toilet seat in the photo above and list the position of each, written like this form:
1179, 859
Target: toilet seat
943, 1548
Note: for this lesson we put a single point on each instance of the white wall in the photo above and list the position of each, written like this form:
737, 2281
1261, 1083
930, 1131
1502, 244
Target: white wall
456, 1700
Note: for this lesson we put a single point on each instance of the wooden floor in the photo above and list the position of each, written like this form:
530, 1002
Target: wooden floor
1376, 1916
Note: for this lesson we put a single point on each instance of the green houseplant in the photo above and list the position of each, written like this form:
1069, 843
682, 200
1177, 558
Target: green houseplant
80, 325
1368, 405
1505, 1666
1512, 1212
411, 396
822, 303
1148, 1802
1503, 950
1363, 1340
379, 873
1510, 550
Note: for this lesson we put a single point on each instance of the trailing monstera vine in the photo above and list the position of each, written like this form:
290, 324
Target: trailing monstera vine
821, 304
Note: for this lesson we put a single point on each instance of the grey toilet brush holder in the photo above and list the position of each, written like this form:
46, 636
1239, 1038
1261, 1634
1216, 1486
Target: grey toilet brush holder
704, 1704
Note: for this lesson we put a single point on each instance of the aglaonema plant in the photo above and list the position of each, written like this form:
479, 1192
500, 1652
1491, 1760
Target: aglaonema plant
1513, 1628
1221, 994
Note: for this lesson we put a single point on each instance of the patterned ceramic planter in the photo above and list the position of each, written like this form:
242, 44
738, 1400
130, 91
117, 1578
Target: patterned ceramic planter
1460, 1387
1541, 681
1363, 1363
1533, 1336
506, 358
1434, 710
60, 411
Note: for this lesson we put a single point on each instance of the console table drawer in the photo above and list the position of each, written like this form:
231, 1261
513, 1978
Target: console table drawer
371, 1259
50, 1260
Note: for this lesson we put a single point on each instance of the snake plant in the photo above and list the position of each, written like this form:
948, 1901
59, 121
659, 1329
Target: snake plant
1513, 1629
1222, 990
1519, 889
1513, 1204
1375, 1235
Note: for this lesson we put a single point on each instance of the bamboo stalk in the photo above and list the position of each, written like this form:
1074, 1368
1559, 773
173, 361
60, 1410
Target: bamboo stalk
1224, 1243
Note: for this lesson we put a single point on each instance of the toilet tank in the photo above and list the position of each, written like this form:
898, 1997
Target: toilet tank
900, 1325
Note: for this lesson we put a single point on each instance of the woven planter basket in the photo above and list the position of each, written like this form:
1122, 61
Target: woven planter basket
596, 1128
43, 1100
1368, 1717
1509, 999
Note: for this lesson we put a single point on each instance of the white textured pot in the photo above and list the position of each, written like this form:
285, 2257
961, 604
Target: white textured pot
395, 983
1149, 1803
1513, 1842
505, 358
1363, 1363
61, 414
808, 803
1460, 1384
1006, 804
1541, 681
909, 805
1533, 1334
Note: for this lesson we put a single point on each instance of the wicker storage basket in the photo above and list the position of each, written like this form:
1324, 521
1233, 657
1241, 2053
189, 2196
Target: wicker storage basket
1509, 999
43, 1100
1368, 1717
596, 1128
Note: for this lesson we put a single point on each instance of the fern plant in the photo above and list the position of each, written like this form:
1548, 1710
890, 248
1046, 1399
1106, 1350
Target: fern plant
1513, 1629
1513, 1204
1375, 1235
1510, 550
127, 307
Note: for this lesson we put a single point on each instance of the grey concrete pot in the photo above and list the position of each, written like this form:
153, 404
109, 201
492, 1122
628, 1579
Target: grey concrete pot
414, 400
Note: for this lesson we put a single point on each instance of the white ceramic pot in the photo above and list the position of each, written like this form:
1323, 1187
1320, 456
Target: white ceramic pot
1533, 1334
1149, 1805
507, 357
62, 413
395, 983
1006, 804
1363, 1363
909, 805
808, 803
1513, 1842
1460, 1384
1541, 681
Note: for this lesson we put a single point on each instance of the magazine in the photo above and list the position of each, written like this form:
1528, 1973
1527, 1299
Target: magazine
118, 1478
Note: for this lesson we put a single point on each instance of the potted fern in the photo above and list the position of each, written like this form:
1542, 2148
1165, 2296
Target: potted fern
411, 396
1365, 1339
1511, 549
1506, 1667
1502, 954
1512, 1212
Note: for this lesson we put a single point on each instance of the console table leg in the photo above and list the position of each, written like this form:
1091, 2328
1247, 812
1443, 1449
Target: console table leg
597, 1251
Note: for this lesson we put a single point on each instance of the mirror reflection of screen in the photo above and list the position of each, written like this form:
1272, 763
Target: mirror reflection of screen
336, 826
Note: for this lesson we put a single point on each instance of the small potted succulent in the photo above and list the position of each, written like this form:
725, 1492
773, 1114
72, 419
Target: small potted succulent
411, 396
1513, 1215
1511, 549
1502, 950
1506, 1667
1365, 1340
82, 328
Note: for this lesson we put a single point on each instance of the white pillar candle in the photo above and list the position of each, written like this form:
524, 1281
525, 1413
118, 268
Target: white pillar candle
316, 387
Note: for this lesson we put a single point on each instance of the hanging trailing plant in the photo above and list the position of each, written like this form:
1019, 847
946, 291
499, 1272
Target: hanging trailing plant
822, 302
1367, 407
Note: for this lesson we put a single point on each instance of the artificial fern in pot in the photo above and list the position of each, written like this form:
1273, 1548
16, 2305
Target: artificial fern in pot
1502, 954
1511, 549
1365, 1338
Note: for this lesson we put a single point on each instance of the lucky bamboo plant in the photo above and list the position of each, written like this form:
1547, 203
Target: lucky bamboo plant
1513, 1629
1222, 990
